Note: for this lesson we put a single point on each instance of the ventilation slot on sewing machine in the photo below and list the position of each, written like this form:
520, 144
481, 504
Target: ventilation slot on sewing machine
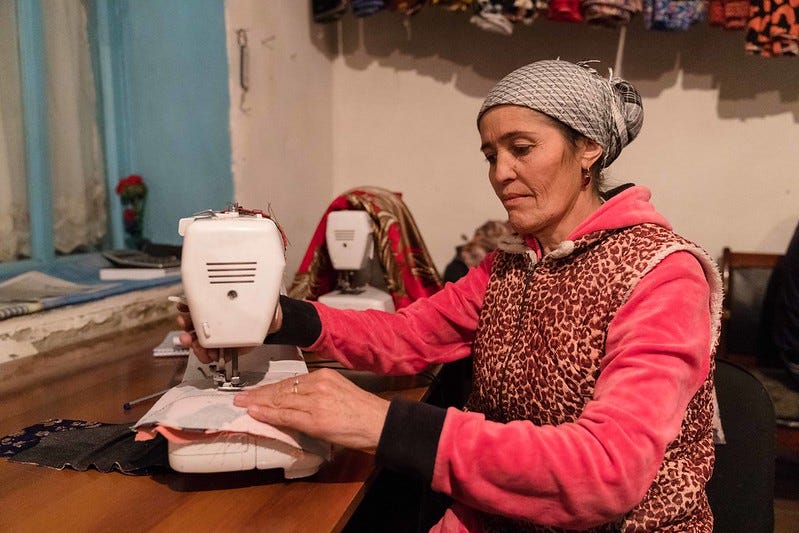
344, 234
232, 272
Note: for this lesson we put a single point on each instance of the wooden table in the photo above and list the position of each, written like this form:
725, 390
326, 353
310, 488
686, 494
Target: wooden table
41, 499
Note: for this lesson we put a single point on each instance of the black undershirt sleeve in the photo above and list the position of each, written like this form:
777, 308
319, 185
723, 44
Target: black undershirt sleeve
301, 324
409, 441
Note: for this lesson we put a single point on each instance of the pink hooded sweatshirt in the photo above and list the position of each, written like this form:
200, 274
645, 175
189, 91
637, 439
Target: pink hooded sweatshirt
576, 475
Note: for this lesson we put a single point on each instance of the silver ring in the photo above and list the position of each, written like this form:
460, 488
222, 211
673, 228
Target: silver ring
296, 384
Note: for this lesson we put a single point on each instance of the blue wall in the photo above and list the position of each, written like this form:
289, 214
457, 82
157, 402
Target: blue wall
172, 109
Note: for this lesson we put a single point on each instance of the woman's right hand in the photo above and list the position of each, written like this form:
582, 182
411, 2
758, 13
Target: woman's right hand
189, 335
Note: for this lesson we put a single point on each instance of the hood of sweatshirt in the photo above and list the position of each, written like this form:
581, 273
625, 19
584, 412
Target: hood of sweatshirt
627, 208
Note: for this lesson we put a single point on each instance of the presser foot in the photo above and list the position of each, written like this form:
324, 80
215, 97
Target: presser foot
221, 381
231, 385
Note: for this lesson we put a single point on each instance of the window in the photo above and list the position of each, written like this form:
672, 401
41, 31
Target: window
54, 195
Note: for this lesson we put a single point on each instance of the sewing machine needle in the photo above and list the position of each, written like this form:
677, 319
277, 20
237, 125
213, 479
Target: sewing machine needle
221, 363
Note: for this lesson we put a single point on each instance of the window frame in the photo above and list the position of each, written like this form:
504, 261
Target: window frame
106, 16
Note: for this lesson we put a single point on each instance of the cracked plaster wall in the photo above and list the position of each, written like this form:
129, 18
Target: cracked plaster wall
46, 331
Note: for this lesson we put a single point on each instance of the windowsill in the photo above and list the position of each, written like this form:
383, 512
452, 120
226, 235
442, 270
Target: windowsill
82, 316
51, 332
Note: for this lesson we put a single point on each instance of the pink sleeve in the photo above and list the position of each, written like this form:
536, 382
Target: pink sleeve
437, 329
589, 472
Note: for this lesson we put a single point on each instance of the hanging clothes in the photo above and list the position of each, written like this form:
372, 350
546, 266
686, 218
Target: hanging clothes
490, 16
406, 7
610, 13
329, 10
523, 11
773, 28
564, 11
453, 5
673, 15
365, 8
541, 7
729, 14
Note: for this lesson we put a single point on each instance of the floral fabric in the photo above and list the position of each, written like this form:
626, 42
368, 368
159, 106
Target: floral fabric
671, 15
407, 266
29, 437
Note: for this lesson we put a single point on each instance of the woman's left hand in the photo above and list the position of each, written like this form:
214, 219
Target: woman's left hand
322, 404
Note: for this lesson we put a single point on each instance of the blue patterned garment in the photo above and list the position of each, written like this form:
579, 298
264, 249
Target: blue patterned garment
80, 445
363, 8
29, 437
673, 15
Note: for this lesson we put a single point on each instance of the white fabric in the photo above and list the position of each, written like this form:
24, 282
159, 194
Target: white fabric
196, 405
76, 163
14, 225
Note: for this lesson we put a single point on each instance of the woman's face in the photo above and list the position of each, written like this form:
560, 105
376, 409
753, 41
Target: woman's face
536, 173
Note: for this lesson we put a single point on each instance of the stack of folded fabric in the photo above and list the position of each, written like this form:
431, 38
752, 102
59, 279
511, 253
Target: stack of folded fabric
195, 412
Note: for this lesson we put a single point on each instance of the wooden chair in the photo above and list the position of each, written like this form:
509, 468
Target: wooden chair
745, 278
745, 335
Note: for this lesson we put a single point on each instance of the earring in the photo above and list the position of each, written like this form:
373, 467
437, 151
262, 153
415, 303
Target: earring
586, 177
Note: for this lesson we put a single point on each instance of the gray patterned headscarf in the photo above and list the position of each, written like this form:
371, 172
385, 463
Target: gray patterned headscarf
607, 111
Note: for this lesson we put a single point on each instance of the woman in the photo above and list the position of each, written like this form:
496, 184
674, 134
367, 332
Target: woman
592, 333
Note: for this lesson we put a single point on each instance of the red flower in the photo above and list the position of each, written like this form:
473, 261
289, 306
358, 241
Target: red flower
124, 183
129, 215
131, 188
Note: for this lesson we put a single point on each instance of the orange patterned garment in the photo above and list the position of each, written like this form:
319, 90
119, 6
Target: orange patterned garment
773, 28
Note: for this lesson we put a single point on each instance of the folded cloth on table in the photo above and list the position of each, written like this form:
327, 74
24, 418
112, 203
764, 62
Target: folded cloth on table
195, 410
81, 445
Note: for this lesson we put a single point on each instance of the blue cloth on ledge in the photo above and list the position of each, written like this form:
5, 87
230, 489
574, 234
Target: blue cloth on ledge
85, 270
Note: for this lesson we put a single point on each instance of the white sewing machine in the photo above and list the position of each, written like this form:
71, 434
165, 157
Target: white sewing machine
232, 267
350, 245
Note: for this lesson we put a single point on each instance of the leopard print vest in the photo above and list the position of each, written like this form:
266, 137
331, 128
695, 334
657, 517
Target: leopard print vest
537, 353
